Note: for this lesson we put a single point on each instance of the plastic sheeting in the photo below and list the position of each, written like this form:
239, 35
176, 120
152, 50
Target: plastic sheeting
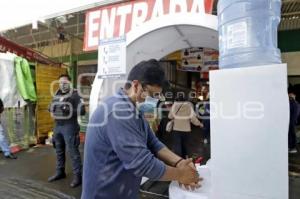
8, 87
19, 126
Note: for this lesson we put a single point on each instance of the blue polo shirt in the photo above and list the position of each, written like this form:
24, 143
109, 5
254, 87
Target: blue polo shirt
119, 150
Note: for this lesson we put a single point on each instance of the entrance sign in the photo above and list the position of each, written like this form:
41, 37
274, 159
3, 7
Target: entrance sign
118, 19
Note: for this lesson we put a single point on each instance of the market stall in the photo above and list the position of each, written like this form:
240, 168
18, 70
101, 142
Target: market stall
25, 91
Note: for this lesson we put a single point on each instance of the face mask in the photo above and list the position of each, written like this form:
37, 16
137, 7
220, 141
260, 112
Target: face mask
152, 101
65, 87
149, 105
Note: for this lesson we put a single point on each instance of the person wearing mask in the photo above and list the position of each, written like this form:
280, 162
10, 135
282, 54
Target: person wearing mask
65, 108
149, 109
294, 112
120, 147
182, 113
3, 142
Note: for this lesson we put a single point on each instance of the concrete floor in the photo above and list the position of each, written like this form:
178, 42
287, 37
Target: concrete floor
294, 168
35, 165
26, 177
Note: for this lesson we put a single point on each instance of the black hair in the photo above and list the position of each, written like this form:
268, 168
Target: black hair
65, 75
1, 106
148, 73
291, 89
180, 97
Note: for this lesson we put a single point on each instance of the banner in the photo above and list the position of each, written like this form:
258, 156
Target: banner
191, 60
118, 19
196, 59
211, 59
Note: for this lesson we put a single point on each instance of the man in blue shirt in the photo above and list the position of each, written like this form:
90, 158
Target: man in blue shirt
120, 147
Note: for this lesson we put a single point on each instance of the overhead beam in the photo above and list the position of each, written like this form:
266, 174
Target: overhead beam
290, 14
29, 54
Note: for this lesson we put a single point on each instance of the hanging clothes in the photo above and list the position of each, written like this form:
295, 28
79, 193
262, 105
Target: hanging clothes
9, 92
24, 79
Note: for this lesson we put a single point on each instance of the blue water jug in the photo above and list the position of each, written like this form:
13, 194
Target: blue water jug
248, 32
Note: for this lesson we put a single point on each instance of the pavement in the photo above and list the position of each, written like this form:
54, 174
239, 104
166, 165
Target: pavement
26, 177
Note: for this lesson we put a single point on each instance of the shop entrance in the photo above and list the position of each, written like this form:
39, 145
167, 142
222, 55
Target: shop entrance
155, 41
165, 33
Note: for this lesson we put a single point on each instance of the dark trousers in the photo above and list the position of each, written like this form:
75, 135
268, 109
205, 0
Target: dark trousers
206, 129
66, 136
181, 143
292, 137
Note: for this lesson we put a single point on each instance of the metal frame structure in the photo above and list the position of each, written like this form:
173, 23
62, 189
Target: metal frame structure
29, 54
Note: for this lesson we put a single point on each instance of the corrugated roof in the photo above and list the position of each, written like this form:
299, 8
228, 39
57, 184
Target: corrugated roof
290, 15
73, 26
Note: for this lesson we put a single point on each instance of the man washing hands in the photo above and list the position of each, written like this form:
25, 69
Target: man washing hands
120, 147
194, 185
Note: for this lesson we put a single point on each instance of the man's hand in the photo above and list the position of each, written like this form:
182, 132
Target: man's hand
191, 164
190, 186
187, 174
